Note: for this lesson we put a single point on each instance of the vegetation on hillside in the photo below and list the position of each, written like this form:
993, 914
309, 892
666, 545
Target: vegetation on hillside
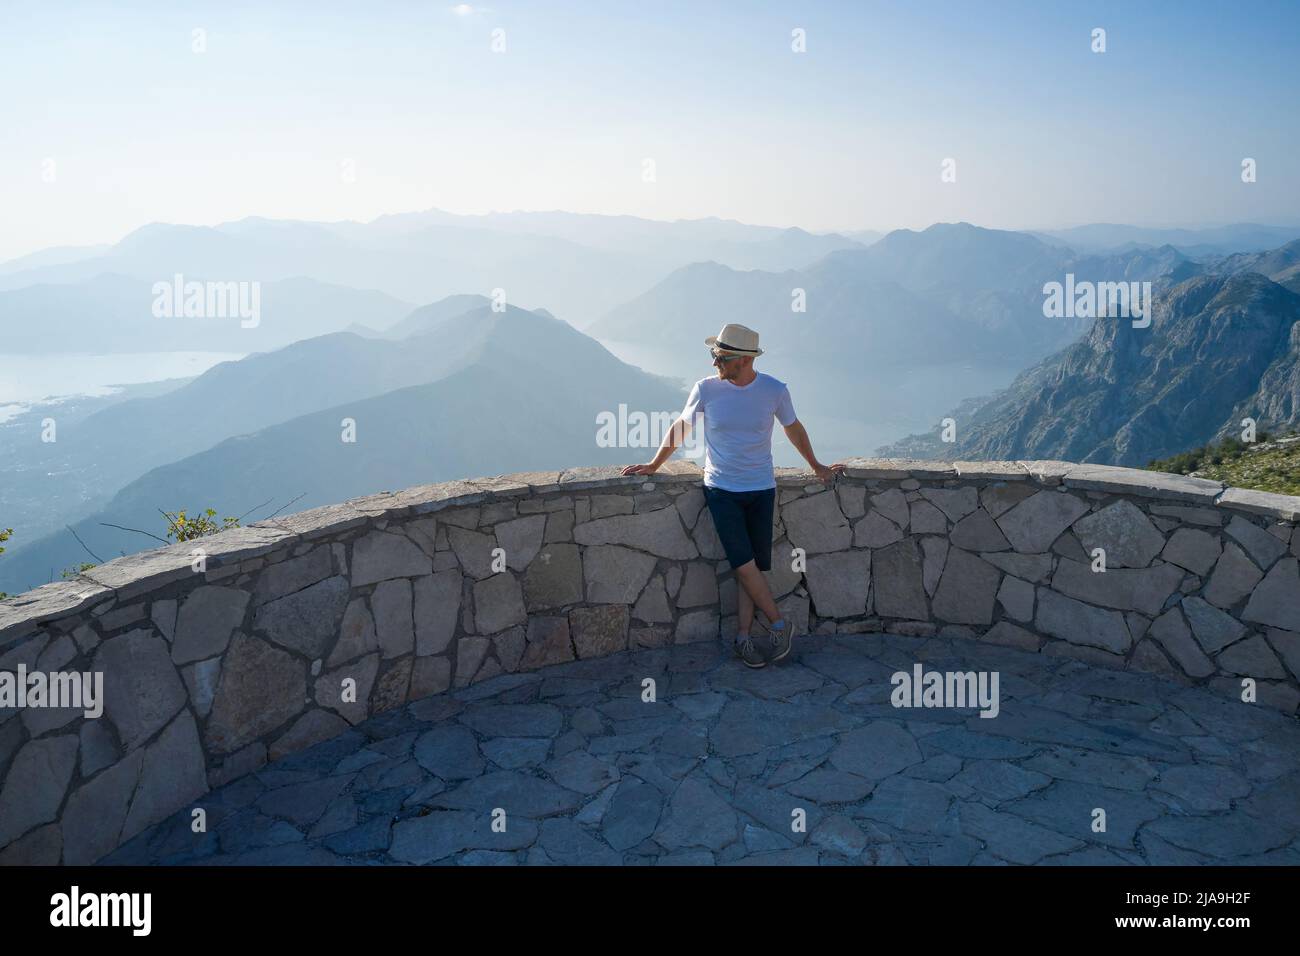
1269, 464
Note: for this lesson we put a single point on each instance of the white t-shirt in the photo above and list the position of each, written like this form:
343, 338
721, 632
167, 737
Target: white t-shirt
738, 429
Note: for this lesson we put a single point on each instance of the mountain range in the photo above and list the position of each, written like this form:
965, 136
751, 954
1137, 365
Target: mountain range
1223, 345
469, 392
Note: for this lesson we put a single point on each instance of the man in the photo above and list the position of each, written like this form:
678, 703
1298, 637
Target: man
737, 408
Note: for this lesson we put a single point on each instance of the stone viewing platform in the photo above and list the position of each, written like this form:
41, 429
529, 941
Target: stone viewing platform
496, 633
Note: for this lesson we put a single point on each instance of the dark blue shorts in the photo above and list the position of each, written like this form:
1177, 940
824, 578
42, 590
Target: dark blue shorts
743, 520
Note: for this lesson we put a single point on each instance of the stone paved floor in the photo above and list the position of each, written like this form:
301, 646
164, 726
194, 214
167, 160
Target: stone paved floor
587, 772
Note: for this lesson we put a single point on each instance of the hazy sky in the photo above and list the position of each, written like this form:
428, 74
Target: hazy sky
111, 102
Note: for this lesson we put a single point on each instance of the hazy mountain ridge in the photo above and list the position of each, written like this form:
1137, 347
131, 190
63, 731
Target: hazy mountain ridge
580, 266
481, 394
1221, 347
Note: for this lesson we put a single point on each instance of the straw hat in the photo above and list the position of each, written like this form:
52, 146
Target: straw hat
737, 339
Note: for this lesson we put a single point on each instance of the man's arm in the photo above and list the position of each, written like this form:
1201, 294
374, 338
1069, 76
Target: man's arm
674, 438
798, 436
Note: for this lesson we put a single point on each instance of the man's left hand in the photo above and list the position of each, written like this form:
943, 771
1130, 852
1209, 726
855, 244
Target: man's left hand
827, 473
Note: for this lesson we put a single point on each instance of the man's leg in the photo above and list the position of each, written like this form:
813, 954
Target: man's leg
754, 586
744, 607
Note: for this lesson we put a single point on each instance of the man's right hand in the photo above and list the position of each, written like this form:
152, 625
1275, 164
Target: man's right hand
648, 469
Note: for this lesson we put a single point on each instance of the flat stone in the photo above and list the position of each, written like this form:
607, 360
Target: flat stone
514, 720
1035, 568
1252, 657
908, 804
329, 688
499, 603
1124, 532
261, 688
632, 815
1235, 577
955, 503
899, 585
421, 840
967, 589
1276, 601
879, 750
521, 539
474, 550
514, 753
893, 505
356, 635
696, 817
1017, 598
568, 844
436, 609
201, 681
142, 691
519, 794
1195, 550
696, 626
1214, 629
1171, 630
599, 631
1126, 589
1202, 789
1262, 547
1148, 484
998, 499
978, 532
548, 642
1011, 838
875, 531
816, 524
307, 620
554, 578
581, 772
825, 785
839, 583
699, 586
1267, 503
35, 786
658, 532
286, 577
616, 575
172, 774
449, 752
382, 555
853, 500
652, 606
391, 605
92, 821
1081, 623
207, 619
1033, 524
925, 518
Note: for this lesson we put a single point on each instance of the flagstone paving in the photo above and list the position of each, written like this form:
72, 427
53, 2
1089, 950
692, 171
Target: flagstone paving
569, 765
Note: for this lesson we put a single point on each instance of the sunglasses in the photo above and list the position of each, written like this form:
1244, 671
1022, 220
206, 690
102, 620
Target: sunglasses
723, 357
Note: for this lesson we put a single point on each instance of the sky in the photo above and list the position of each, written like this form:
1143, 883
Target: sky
116, 115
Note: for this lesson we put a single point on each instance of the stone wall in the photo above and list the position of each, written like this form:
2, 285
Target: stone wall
216, 662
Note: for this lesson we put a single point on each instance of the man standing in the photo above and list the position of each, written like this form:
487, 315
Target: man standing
737, 408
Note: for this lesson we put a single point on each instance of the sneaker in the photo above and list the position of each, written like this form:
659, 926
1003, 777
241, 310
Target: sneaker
778, 640
748, 652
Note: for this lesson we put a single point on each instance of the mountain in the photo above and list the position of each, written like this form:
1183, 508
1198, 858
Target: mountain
48, 483
1212, 240
1220, 348
951, 292
581, 266
496, 397
109, 313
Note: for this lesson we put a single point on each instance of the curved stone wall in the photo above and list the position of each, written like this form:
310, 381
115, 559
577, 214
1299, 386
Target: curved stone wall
215, 661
